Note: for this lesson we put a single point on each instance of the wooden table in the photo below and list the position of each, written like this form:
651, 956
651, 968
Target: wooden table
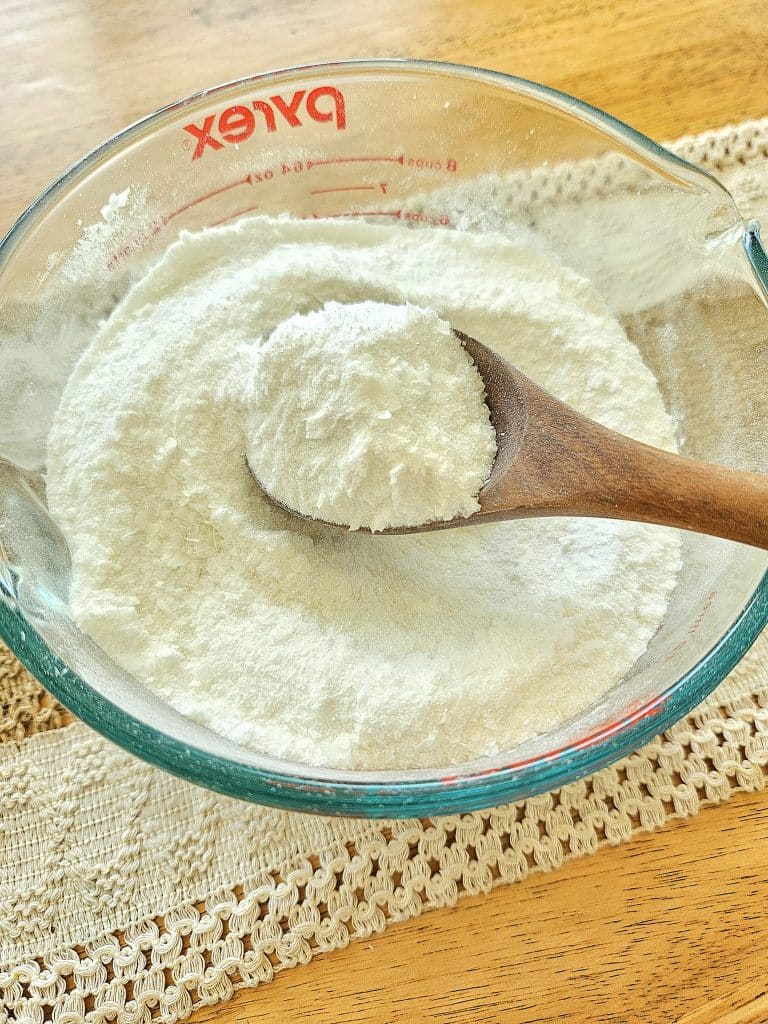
671, 927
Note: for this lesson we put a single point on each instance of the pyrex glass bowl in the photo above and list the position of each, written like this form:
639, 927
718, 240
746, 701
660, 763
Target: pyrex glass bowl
410, 143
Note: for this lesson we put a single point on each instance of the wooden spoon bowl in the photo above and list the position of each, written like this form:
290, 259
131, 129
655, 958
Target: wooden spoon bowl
552, 461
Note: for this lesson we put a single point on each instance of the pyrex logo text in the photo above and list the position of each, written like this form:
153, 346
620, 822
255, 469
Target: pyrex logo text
238, 123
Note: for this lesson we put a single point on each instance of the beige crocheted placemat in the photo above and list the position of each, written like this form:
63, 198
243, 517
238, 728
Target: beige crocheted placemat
125, 891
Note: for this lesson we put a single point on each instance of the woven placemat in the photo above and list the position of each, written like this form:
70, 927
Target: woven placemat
126, 891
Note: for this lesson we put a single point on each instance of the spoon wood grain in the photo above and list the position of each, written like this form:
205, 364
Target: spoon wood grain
552, 461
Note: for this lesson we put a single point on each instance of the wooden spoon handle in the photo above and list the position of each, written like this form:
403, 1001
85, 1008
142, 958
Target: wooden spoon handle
567, 464
637, 482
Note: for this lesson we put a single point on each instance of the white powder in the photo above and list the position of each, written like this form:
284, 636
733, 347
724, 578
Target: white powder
116, 202
328, 647
369, 414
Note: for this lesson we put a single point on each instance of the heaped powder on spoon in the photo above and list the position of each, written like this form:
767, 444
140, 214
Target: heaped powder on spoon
369, 414
331, 647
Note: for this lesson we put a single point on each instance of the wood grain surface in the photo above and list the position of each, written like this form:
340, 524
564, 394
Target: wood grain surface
671, 927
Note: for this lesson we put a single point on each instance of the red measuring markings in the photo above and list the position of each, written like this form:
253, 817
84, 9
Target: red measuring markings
156, 226
424, 163
347, 188
247, 180
419, 217
231, 216
360, 213
357, 160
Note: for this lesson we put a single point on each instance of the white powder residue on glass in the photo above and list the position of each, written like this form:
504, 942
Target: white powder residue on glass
369, 415
330, 647
42, 329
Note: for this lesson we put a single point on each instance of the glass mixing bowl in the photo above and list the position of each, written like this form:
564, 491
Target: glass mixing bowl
409, 143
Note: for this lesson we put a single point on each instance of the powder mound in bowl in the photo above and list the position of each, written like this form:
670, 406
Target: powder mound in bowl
369, 415
337, 647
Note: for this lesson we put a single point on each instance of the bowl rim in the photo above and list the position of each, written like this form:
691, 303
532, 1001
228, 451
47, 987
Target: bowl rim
380, 794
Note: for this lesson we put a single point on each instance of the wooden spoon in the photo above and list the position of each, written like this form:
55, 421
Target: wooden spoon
552, 461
